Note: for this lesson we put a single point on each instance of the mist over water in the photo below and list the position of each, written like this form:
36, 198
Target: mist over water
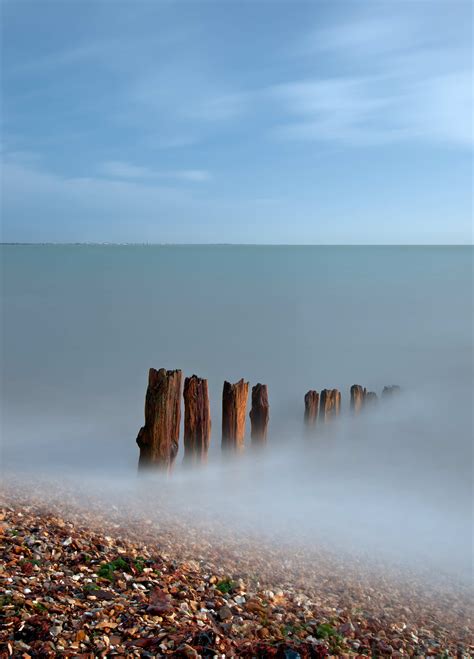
82, 325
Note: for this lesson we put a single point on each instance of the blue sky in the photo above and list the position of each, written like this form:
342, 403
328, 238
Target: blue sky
247, 122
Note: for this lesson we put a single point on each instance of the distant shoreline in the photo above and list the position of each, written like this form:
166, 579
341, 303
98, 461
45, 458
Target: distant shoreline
138, 244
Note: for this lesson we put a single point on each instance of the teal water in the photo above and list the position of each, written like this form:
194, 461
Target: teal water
82, 325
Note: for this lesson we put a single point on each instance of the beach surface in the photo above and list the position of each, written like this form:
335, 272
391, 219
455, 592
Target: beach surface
82, 577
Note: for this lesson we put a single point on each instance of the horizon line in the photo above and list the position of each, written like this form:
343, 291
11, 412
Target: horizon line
224, 244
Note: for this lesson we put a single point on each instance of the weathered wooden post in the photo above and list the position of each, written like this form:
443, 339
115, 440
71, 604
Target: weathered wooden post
330, 404
390, 390
158, 439
370, 398
259, 414
311, 404
197, 420
234, 404
358, 395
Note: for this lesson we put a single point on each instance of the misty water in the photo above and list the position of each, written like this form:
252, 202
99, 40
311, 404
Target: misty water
81, 325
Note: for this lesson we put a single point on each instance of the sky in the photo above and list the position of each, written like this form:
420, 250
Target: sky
319, 122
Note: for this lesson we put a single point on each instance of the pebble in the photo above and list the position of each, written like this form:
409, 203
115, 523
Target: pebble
225, 613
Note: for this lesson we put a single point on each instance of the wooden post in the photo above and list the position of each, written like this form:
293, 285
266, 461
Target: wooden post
259, 414
158, 439
234, 404
330, 404
197, 420
358, 395
370, 398
390, 390
311, 404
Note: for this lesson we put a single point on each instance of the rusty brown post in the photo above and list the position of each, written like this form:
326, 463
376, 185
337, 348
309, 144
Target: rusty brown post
330, 404
197, 420
358, 395
259, 414
234, 404
158, 439
311, 404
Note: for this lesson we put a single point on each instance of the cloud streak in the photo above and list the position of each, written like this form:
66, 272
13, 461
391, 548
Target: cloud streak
118, 169
379, 110
403, 86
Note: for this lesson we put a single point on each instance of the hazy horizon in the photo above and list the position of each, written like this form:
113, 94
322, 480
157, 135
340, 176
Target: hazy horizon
184, 244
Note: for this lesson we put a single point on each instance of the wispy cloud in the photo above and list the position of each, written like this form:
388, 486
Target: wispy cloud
198, 175
335, 109
216, 106
20, 156
104, 210
94, 208
68, 57
146, 101
401, 87
187, 93
118, 169
379, 109
362, 37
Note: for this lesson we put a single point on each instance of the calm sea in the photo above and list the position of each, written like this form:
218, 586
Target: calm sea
82, 325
